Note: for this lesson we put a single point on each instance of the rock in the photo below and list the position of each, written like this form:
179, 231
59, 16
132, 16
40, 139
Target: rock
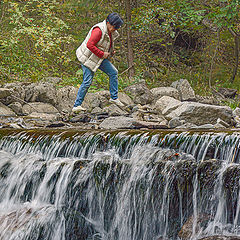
150, 125
208, 100
236, 112
175, 122
97, 110
118, 123
91, 101
125, 99
187, 229
55, 125
41, 92
165, 91
82, 117
228, 92
220, 237
114, 110
4, 92
6, 111
16, 107
39, 107
18, 93
167, 104
185, 90
199, 114
223, 123
140, 93
66, 97
44, 116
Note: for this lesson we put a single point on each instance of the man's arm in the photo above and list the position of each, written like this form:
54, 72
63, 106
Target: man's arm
92, 42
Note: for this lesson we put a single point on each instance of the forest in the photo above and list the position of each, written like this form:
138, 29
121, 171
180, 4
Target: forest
161, 41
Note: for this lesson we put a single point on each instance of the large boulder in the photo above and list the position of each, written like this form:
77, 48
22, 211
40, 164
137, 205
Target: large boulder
165, 91
118, 123
140, 93
185, 90
199, 114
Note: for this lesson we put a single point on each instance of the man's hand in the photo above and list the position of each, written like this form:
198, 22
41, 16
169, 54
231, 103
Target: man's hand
113, 52
106, 55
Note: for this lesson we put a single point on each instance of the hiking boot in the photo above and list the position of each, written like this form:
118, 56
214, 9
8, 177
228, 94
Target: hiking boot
117, 102
78, 109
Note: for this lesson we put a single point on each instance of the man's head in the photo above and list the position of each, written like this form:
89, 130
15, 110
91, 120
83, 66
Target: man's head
114, 22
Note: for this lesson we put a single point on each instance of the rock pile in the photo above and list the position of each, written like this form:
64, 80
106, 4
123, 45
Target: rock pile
31, 105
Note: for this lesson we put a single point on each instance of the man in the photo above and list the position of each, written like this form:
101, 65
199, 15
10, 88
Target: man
93, 54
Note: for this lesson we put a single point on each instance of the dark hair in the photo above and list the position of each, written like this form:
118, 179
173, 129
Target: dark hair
115, 20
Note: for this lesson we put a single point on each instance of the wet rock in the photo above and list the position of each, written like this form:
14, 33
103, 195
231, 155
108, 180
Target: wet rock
187, 229
219, 237
185, 90
208, 172
165, 91
140, 93
231, 178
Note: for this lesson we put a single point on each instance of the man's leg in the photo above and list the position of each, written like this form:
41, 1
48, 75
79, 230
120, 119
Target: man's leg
87, 80
108, 68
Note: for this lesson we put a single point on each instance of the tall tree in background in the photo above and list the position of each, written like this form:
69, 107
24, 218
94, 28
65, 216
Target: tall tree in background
130, 56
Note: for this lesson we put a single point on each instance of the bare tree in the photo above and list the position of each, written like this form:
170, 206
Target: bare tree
130, 56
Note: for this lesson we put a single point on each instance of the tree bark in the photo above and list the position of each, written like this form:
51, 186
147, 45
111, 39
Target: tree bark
236, 53
130, 56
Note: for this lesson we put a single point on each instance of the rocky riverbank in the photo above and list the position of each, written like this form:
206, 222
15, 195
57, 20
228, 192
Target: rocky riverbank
34, 105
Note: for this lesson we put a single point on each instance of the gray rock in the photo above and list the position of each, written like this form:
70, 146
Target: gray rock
125, 99
167, 104
96, 110
16, 107
44, 116
66, 97
39, 107
185, 90
165, 91
220, 237
140, 93
175, 122
6, 111
42, 92
118, 123
4, 92
114, 110
236, 112
199, 114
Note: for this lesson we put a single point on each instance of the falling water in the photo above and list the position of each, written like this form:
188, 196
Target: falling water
118, 185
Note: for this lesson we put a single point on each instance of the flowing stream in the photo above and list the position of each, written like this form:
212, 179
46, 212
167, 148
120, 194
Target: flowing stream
118, 185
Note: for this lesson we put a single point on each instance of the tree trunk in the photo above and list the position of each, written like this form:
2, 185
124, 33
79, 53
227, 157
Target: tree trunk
236, 53
130, 57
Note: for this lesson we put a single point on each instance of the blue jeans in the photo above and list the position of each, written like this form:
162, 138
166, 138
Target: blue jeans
108, 68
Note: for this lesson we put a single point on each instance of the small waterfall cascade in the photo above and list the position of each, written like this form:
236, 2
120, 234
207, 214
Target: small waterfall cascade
126, 185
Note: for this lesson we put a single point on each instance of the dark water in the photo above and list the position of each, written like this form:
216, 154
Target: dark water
118, 186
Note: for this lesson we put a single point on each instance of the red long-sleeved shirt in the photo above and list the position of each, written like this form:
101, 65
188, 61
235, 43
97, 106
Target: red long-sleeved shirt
94, 39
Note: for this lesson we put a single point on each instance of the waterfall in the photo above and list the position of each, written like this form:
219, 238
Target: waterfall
126, 185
